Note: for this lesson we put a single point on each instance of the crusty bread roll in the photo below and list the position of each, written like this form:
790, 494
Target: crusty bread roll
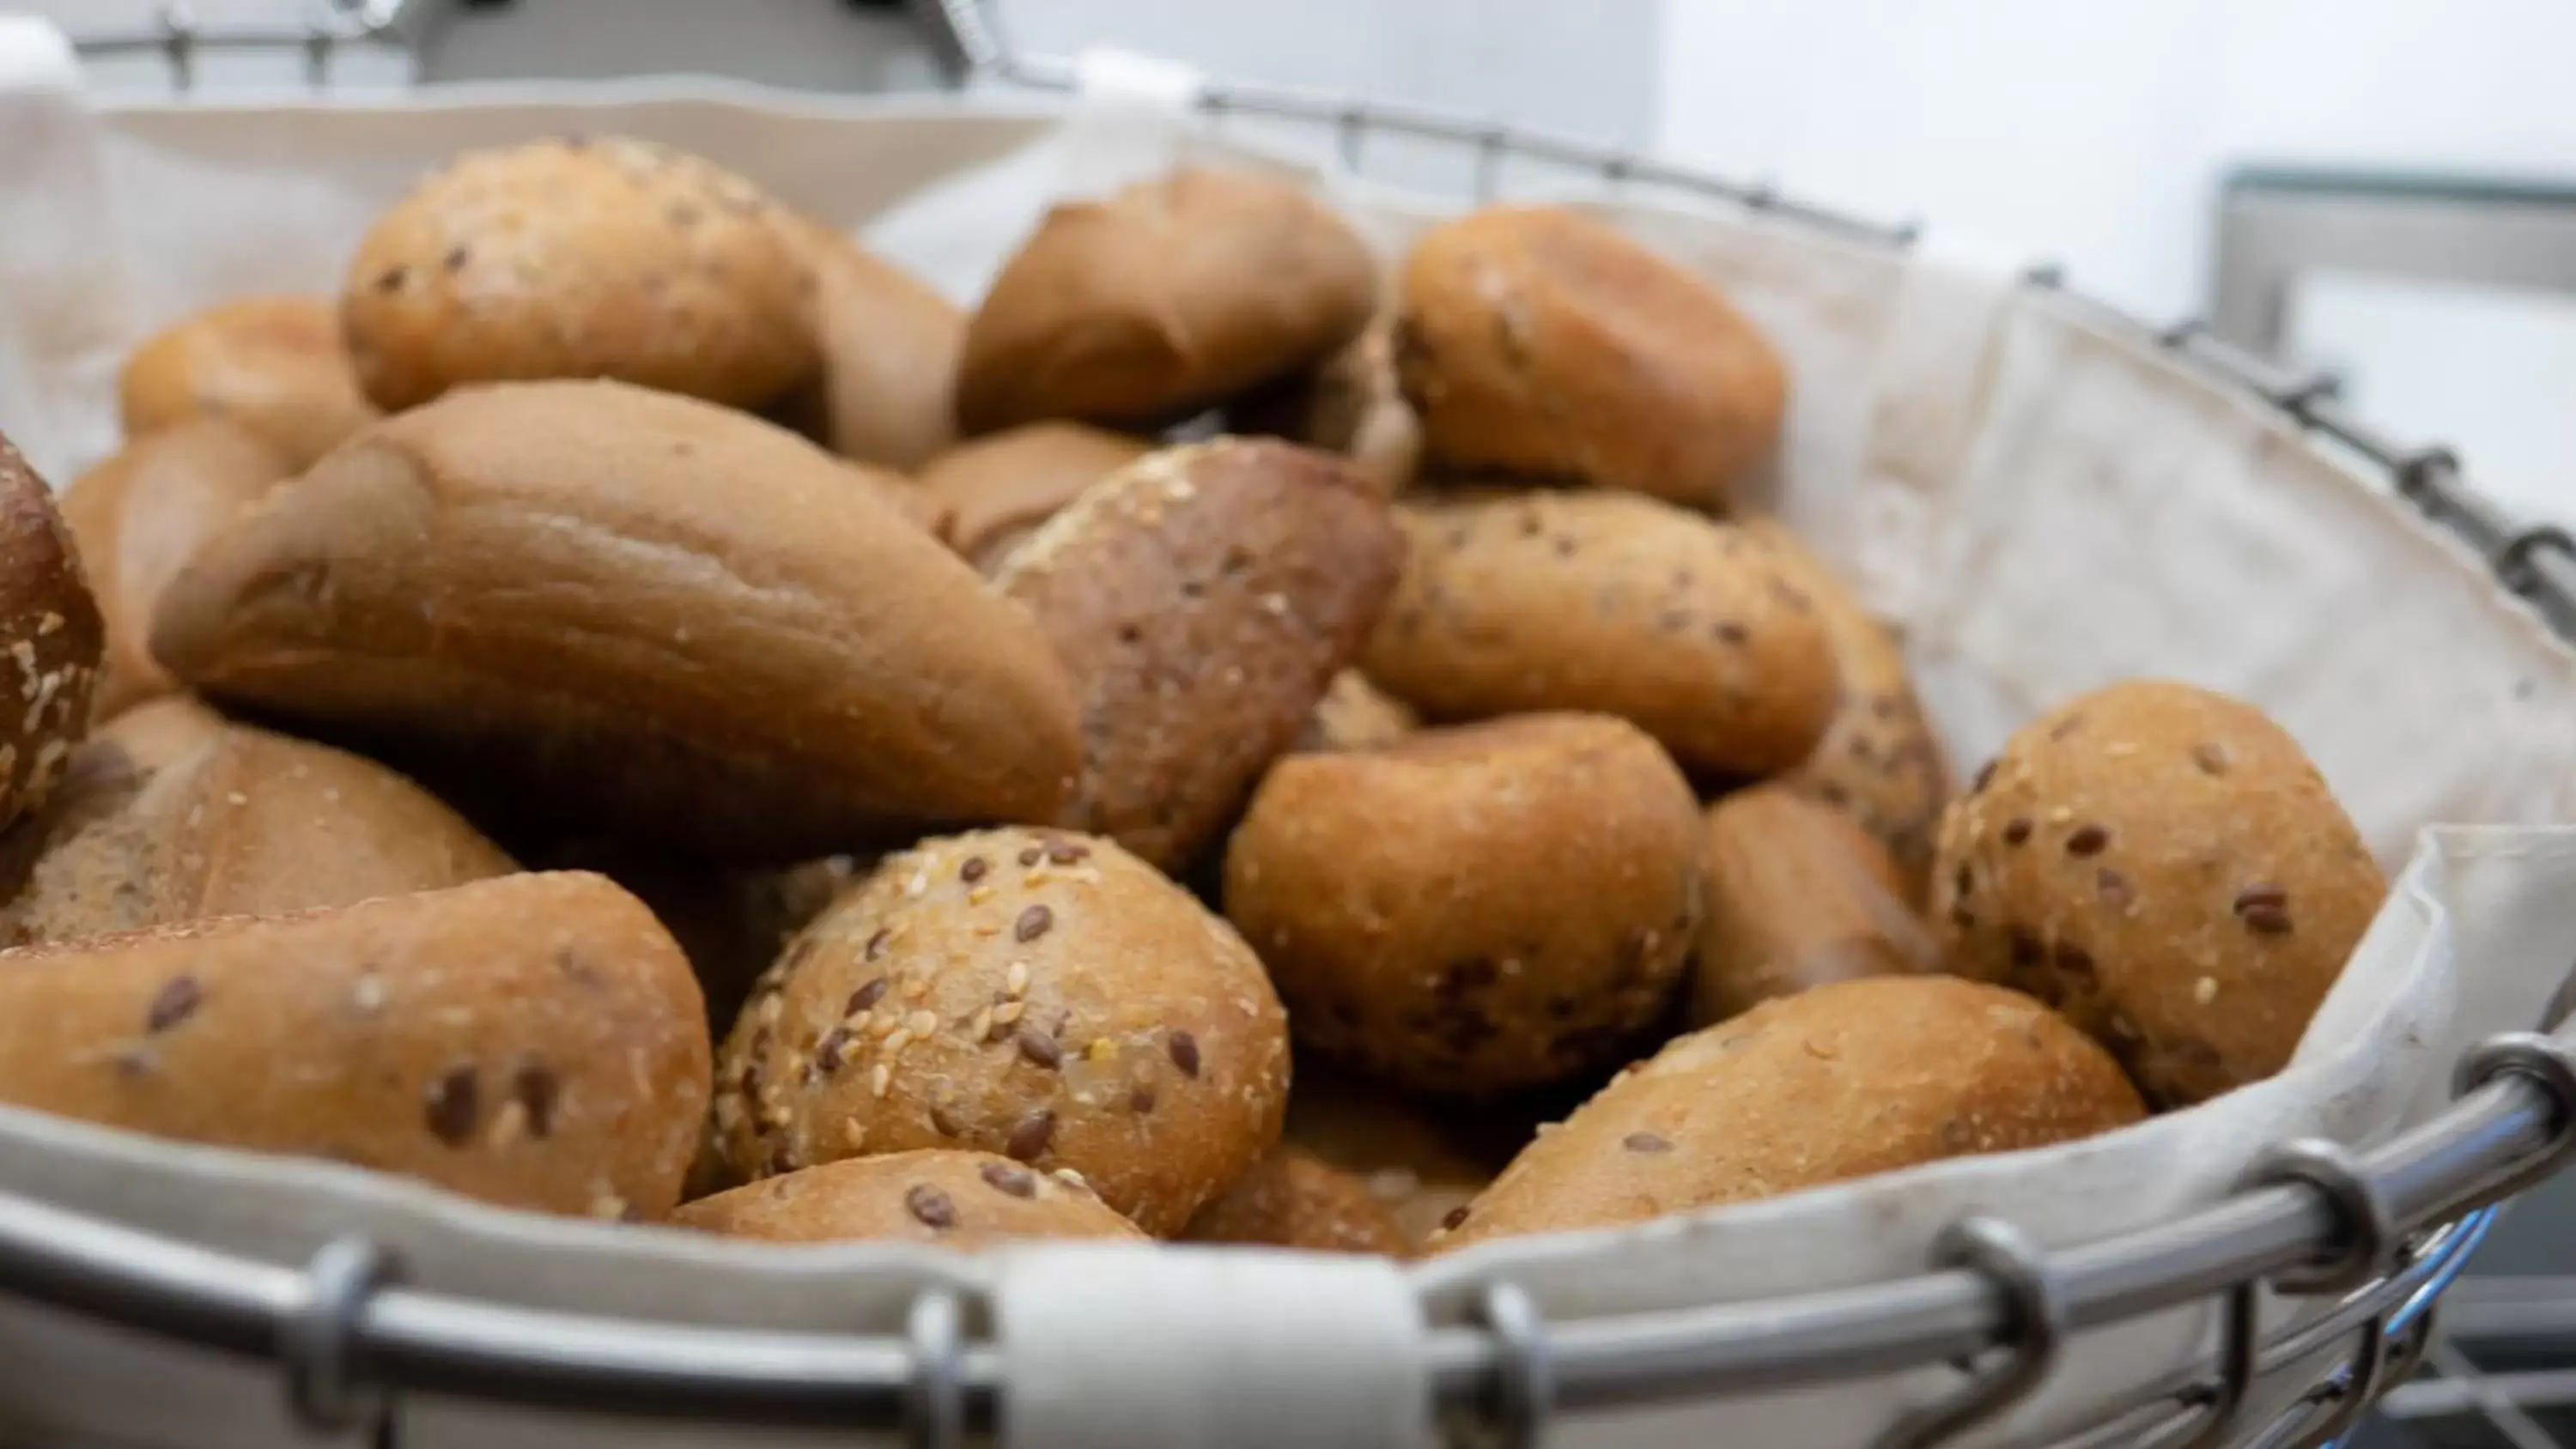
1001, 486
1292, 1199
574, 258
273, 365
533, 1041
886, 391
1840, 1082
52, 635
1798, 896
1419, 1166
138, 516
639, 611
1353, 404
1168, 297
962, 1200
1536, 342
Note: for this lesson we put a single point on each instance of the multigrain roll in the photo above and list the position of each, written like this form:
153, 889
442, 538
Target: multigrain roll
275, 366
1798, 896
139, 516
586, 604
1202, 598
1613, 604
2164, 865
1846, 1080
962, 1200
1536, 342
1038, 994
533, 1041
1879, 759
998, 488
885, 393
1352, 405
1420, 1167
1356, 715
1291, 1199
52, 635
1170, 296
578, 258
1474, 909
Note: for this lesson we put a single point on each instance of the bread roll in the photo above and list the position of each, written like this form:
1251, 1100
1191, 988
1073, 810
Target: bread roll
1352, 405
52, 635
578, 258
1798, 896
962, 1200
274, 366
1169, 297
138, 516
2164, 865
886, 391
1293, 1200
590, 602
1356, 715
1846, 1080
1036, 994
1472, 910
533, 1041
1000, 487
1202, 597
1611, 604
1418, 1166
1537, 342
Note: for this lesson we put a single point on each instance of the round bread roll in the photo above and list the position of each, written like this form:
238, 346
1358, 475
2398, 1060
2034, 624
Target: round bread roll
138, 516
1356, 715
585, 601
907, 498
1037, 994
1474, 909
1292, 1200
1000, 487
51, 632
2165, 866
580, 258
242, 823
1612, 604
1879, 759
273, 365
963, 1200
1203, 598
1169, 297
533, 1041
886, 391
1536, 342
1353, 405
1418, 1166
1850, 1079
1798, 896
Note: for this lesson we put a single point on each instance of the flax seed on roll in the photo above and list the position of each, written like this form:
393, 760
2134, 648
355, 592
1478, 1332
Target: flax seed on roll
1798, 896
1000, 487
51, 633
275, 366
962, 1200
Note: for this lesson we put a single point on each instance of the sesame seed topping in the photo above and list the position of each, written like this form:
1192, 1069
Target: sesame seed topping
880, 1080
2205, 990
1016, 979
896, 1040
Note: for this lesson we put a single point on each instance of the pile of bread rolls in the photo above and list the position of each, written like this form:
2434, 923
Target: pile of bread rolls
638, 708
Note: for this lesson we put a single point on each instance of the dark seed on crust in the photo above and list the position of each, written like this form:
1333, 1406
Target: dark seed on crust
1185, 1053
537, 1087
827, 1052
392, 279
2016, 830
1067, 852
877, 943
1040, 1049
1645, 1142
973, 870
2259, 896
1455, 1218
2066, 726
1963, 918
2212, 758
1032, 923
455, 259
1030, 1136
451, 1106
1031, 855
945, 1121
1967, 881
2024, 947
2113, 886
2266, 920
1140, 1098
930, 1207
1730, 632
2087, 840
2074, 959
1016, 1181
866, 996
1985, 776
174, 1003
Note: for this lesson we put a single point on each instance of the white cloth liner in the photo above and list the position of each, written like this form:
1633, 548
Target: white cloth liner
2043, 505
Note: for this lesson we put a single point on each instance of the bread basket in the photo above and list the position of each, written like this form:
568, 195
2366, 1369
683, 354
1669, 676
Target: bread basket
2253, 1272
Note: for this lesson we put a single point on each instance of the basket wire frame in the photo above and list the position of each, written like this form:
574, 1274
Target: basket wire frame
349, 1337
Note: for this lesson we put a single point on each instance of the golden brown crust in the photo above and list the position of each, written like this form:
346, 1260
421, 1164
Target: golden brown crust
580, 258
1609, 603
1356, 715
2163, 864
1798, 896
962, 1200
1033, 993
1474, 909
1353, 404
1168, 297
274, 366
665, 617
1000, 487
139, 516
1847, 1080
1538, 342
533, 1041
51, 634
885, 391
1202, 598
1293, 1200
1418, 1166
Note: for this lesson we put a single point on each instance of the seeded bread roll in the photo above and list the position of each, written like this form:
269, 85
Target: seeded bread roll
1533, 341
1202, 597
1169, 297
274, 366
1879, 759
1293, 1200
1356, 715
533, 1041
1353, 405
1418, 1166
963, 1200
580, 258
52, 635
2164, 865
885, 392
1000, 487
138, 516
1474, 909
586, 601
1798, 896
1032, 993
1847, 1080
1612, 604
